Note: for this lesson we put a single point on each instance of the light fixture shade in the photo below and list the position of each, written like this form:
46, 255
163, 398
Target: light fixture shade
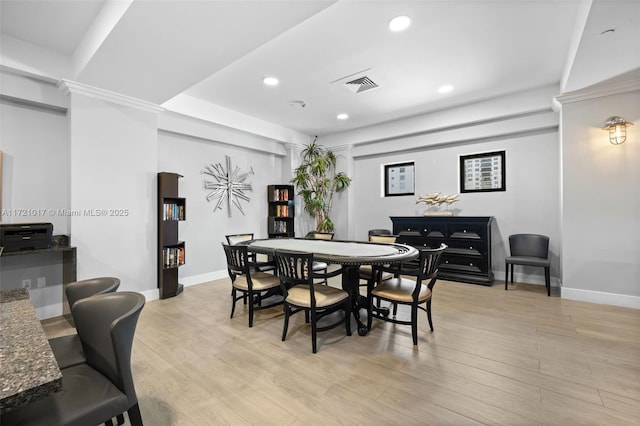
617, 127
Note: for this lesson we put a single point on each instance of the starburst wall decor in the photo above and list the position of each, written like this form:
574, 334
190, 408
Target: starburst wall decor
229, 185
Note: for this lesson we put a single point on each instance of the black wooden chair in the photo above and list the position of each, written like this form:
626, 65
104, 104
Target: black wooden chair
68, 349
102, 388
302, 294
529, 250
251, 283
319, 266
261, 262
400, 290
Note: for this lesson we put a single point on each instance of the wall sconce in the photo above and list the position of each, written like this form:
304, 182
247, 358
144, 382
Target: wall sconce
617, 127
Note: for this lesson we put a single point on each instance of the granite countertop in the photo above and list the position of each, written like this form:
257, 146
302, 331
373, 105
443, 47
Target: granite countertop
29, 369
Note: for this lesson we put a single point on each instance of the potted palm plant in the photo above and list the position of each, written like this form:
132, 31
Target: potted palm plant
316, 180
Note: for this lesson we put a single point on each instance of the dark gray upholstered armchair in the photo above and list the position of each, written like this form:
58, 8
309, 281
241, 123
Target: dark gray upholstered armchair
102, 388
68, 349
529, 250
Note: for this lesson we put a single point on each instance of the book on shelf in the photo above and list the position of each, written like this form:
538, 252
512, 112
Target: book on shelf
173, 211
173, 256
280, 195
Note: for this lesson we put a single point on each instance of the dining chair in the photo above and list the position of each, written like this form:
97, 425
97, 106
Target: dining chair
102, 388
262, 263
367, 271
529, 250
302, 294
319, 266
251, 283
401, 290
379, 232
68, 349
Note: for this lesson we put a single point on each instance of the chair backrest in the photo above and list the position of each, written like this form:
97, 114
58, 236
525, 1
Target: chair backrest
295, 267
531, 245
379, 232
233, 239
425, 267
106, 324
80, 289
322, 235
237, 260
382, 238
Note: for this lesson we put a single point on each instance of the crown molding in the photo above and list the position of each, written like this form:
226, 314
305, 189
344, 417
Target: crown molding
68, 86
597, 91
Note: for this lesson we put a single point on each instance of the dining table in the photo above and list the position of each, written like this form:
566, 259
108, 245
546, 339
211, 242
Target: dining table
349, 255
28, 368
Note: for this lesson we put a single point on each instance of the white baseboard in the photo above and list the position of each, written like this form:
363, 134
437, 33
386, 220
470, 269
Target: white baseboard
622, 300
188, 281
203, 278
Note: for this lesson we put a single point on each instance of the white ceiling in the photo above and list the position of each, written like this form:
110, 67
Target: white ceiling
218, 51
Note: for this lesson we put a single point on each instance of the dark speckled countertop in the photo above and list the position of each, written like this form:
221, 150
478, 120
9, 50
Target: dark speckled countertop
29, 370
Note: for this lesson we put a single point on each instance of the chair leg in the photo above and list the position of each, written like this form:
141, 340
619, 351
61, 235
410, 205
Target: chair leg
506, 275
547, 280
314, 332
233, 302
286, 322
108, 423
512, 273
120, 419
414, 324
429, 314
251, 310
134, 415
395, 309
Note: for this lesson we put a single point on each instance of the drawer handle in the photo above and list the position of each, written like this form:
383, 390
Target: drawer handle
470, 248
471, 264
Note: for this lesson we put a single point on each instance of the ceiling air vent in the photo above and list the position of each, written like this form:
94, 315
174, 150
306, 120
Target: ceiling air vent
360, 85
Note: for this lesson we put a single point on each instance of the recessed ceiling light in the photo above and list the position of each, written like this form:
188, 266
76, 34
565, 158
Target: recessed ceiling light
399, 23
342, 116
270, 81
445, 89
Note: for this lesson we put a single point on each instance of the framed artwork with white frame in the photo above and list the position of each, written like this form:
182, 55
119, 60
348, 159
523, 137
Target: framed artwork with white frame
399, 179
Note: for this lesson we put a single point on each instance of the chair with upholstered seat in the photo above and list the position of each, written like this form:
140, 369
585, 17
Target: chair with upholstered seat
262, 262
401, 290
379, 231
528, 250
302, 294
366, 271
253, 285
102, 388
319, 265
68, 349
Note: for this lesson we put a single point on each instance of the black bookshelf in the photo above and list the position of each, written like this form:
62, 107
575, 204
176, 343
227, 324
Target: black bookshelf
280, 222
171, 251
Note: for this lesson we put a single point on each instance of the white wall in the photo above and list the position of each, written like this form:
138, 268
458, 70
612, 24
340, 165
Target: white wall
601, 202
113, 163
35, 157
205, 229
529, 205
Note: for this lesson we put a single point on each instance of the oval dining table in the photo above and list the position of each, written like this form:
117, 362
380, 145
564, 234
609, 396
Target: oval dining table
350, 255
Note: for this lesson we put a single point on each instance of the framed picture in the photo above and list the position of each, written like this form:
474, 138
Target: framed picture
483, 172
399, 179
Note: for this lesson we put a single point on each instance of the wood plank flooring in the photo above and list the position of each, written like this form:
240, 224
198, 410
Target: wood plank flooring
496, 357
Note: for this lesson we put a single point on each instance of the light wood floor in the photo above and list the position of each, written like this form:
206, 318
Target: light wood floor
496, 357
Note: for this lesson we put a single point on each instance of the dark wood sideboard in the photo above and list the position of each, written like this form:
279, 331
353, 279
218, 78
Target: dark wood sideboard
468, 256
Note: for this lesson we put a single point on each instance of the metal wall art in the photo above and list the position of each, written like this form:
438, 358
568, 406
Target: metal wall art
228, 185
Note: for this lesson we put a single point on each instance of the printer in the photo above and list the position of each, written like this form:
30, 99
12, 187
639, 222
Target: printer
25, 236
